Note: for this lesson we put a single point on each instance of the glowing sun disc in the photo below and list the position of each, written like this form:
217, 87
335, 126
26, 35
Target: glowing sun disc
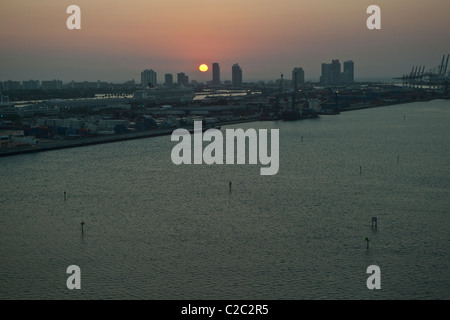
203, 68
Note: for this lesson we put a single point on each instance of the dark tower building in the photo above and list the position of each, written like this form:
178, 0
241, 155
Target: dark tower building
148, 78
236, 73
335, 72
168, 80
349, 72
182, 79
216, 74
331, 73
298, 76
326, 73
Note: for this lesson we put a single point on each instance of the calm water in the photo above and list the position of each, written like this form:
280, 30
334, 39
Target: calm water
155, 230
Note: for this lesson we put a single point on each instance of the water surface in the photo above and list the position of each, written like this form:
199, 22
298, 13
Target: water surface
154, 230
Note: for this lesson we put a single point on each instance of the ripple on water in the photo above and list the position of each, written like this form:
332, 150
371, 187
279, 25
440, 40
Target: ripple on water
154, 230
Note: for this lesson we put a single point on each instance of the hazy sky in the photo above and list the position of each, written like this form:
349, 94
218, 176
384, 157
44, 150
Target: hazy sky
120, 38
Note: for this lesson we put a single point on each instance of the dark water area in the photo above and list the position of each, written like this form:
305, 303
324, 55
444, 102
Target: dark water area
155, 230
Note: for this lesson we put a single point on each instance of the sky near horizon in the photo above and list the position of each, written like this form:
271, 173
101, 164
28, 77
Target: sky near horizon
118, 39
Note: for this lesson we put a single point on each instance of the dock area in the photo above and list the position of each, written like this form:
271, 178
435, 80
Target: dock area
64, 144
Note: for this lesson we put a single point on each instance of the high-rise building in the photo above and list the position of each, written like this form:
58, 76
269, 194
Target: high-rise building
335, 72
168, 80
216, 74
348, 75
148, 78
326, 73
298, 76
331, 73
182, 79
236, 76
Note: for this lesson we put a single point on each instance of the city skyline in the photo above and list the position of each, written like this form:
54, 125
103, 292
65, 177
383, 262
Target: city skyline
118, 40
148, 79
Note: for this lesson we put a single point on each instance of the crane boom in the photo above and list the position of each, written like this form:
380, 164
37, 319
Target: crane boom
446, 65
441, 66
277, 107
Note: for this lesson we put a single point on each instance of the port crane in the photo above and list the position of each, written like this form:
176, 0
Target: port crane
277, 104
436, 77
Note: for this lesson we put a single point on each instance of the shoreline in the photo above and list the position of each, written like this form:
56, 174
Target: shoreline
81, 142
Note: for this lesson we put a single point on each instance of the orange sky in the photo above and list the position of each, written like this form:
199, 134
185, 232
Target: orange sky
266, 37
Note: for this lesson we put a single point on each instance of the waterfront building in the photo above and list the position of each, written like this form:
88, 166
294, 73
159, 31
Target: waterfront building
348, 76
182, 79
325, 74
148, 78
236, 76
168, 80
298, 76
216, 74
335, 72
331, 73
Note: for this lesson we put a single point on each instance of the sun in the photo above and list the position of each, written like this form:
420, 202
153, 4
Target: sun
203, 68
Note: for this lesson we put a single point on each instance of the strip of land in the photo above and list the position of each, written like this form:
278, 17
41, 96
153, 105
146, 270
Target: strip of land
57, 144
